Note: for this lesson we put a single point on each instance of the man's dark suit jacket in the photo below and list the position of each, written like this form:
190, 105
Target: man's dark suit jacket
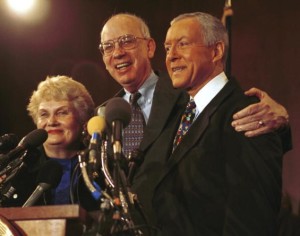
217, 181
166, 101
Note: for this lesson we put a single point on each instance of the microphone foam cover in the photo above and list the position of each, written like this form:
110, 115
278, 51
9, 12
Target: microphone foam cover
34, 138
50, 173
96, 125
118, 109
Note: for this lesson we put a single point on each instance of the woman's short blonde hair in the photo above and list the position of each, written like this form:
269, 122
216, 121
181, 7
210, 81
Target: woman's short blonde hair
62, 88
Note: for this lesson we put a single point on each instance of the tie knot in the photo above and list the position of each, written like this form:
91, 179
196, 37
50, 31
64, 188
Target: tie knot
134, 97
191, 105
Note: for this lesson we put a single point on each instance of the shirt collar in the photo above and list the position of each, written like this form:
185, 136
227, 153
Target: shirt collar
209, 91
146, 90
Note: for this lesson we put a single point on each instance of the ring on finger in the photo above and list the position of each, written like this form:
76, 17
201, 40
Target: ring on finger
261, 123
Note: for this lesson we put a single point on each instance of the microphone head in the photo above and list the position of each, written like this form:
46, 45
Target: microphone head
118, 109
50, 173
34, 138
96, 125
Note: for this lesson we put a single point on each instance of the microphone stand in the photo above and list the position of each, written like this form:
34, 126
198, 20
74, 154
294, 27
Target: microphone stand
117, 202
11, 167
104, 164
6, 188
122, 198
82, 163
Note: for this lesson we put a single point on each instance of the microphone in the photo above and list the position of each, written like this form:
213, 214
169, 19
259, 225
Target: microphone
48, 177
118, 115
31, 140
95, 127
8, 142
10, 167
14, 172
101, 111
8, 189
99, 124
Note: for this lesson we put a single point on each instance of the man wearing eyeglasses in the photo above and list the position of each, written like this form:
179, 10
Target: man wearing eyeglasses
127, 49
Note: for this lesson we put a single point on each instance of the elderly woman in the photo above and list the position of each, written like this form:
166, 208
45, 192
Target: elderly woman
61, 106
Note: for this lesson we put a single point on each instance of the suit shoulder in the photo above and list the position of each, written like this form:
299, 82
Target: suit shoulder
236, 97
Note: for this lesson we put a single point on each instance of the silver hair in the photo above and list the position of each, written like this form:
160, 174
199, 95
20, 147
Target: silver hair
211, 27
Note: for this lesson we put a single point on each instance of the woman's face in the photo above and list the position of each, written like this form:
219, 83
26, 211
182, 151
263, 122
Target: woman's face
61, 121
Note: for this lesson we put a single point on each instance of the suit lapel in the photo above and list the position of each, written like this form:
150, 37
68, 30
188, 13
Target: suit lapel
197, 130
165, 99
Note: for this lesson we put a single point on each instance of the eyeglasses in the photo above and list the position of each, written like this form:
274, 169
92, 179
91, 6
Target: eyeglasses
126, 42
182, 45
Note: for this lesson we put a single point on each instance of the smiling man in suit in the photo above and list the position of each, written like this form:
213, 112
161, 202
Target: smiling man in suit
201, 177
127, 49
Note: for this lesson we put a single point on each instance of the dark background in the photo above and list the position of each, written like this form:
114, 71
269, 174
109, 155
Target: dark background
64, 40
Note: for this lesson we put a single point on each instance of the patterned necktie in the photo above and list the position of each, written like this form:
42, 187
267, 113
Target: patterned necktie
186, 121
133, 133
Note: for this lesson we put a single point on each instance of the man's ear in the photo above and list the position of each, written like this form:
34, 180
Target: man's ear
151, 48
218, 51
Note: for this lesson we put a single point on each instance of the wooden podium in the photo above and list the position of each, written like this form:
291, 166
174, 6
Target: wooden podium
59, 220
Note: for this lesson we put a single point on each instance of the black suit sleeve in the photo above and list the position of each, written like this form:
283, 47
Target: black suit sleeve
285, 135
253, 170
